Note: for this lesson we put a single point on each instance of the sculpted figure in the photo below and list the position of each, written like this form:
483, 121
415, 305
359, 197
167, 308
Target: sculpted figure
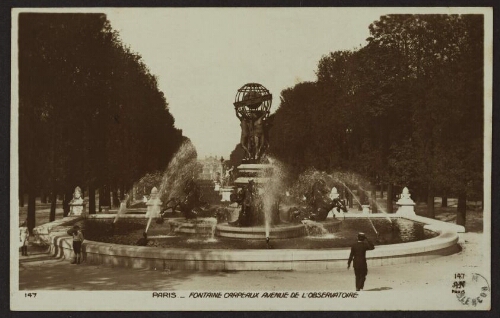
319, 204
259, 135
76, 204
252, 104
191, 203
77, 195
246, 197
246, 134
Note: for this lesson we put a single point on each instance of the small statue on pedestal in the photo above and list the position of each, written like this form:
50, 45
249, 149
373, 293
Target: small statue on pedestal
76, 204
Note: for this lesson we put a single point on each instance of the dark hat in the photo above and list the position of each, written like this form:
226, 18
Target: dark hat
361, 236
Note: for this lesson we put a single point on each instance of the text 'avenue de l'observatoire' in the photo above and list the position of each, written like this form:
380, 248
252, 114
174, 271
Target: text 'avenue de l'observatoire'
273, 295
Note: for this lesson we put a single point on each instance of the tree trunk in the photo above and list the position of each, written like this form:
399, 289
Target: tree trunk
374, 199
122, 191
107, 196
91, 199
67, 198
422, 195
389, 198
53, 200
350, 199
444, 201
360, 198
130, 190
461, 208
382, 191
116, 202
43, 197
21, 199
430, 202
101, 198
31, 210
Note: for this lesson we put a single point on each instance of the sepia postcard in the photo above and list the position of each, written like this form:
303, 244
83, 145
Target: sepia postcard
290, 159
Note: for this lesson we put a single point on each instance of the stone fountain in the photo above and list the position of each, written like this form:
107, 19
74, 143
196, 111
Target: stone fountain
252, 106
259, 210
258, 219
406, 204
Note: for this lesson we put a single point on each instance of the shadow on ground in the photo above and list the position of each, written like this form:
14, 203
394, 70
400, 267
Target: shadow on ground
44, 272
378, 289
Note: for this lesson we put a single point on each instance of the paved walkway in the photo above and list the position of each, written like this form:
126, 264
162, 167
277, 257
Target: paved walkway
40, 271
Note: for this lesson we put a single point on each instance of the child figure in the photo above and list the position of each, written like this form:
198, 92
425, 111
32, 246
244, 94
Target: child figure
24, 235
77, 243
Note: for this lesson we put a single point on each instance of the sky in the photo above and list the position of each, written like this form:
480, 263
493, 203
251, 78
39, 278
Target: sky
201, 57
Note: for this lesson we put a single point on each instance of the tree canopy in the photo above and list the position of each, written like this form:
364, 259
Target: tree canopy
90, 111
405, 109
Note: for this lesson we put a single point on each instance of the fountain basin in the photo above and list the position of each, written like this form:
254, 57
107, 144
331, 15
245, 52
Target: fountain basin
281, 231
259, 232
258, 259
202, 226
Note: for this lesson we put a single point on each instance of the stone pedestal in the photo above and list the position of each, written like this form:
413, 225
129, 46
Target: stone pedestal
252, 171
226, 194
259, 175
366, 209
406, 204
77, 209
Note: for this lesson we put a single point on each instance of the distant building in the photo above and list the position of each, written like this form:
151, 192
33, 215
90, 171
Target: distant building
211, 166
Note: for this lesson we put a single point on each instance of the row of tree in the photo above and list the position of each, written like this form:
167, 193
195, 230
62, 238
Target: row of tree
405, 109
90, 111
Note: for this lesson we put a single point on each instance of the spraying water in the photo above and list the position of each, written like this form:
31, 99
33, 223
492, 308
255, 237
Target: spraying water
340, 178
205, 229
357, 200
180, 169
316, 229
352, 193
213, 223
153, 207
272, 191
122, 210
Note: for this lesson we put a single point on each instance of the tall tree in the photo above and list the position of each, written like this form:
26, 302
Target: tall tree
90, 112
406, 109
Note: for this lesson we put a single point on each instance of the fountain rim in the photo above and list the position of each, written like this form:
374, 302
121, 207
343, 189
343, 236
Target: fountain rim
256, 259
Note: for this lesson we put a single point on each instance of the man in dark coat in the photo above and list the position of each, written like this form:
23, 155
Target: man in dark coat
358, 253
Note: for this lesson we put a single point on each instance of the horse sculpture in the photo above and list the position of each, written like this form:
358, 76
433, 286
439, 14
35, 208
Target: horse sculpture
318, 206
192, 206
250, 206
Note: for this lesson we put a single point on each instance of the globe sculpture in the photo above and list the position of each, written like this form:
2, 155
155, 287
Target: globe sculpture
252, 104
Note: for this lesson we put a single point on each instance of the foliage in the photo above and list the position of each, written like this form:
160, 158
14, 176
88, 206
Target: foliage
405, 109
90, 112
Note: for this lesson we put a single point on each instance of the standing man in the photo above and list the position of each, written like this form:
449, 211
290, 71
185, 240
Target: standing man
358, 253
23, 237
77, 243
